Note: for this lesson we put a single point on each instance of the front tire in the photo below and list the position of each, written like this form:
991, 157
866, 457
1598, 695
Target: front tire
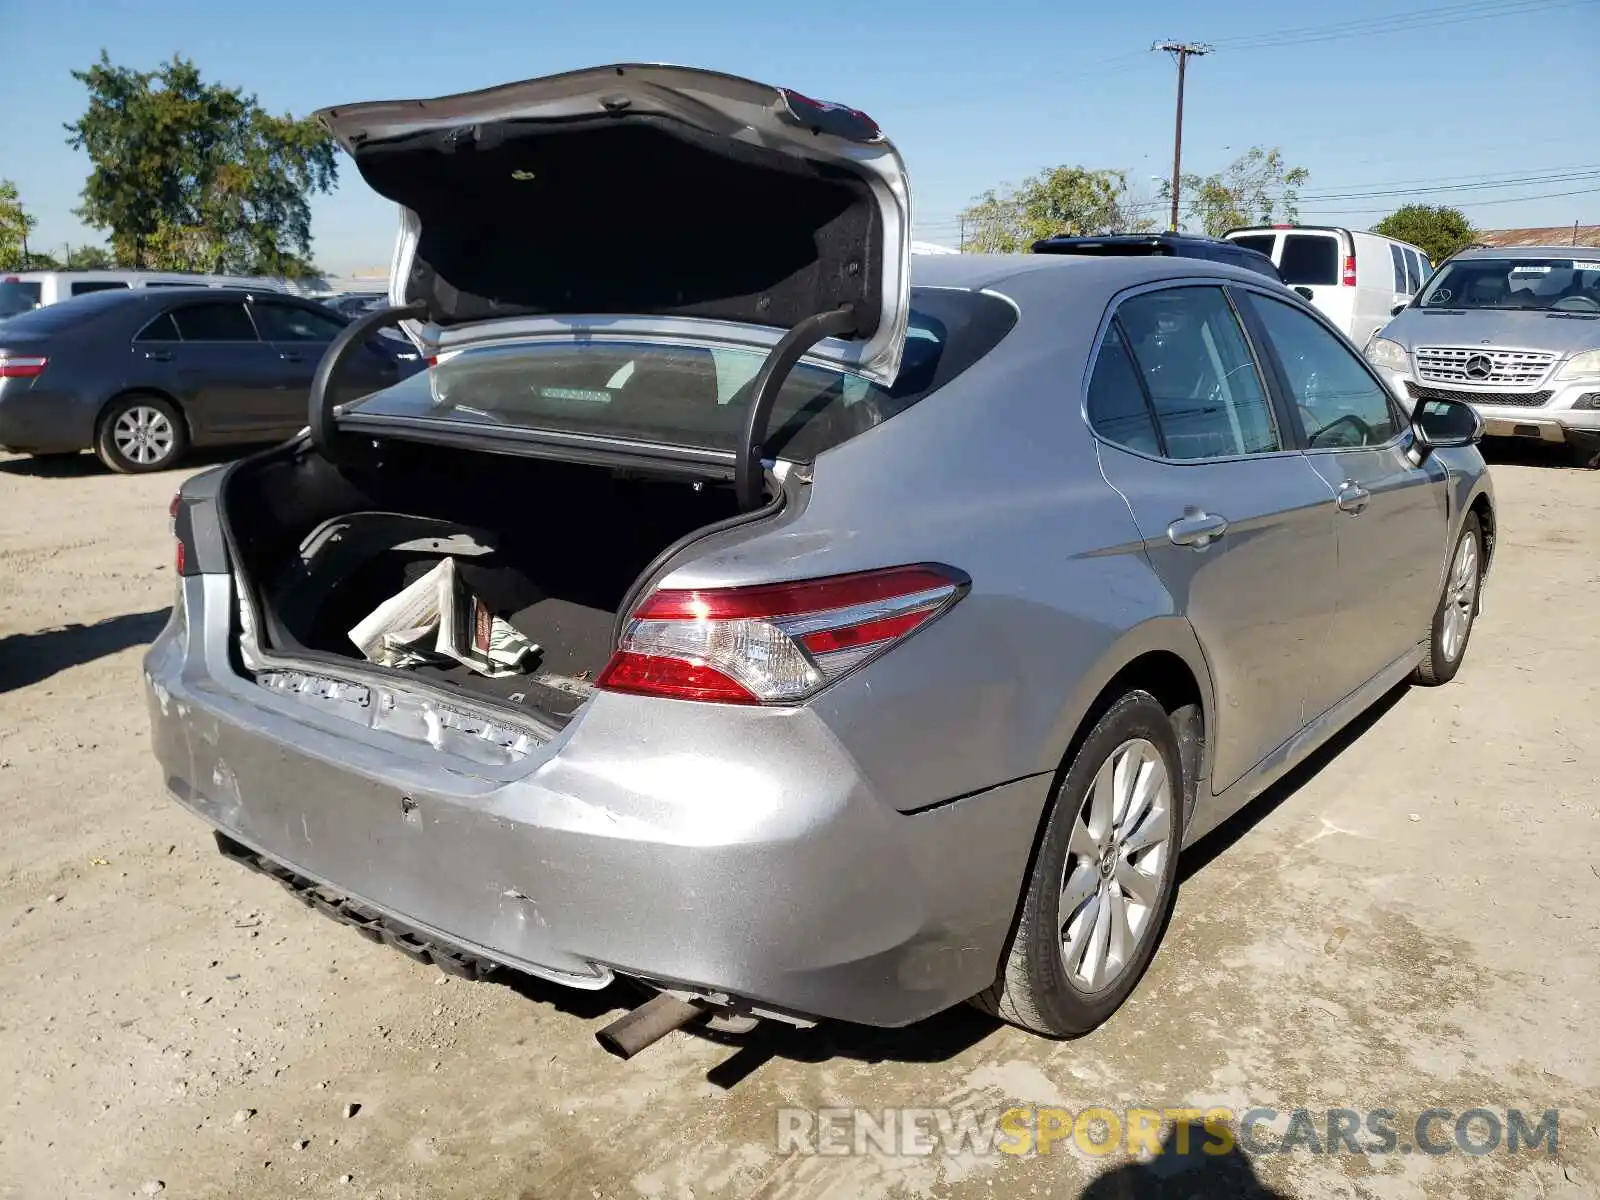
1104, 878
140, 433
1451, 630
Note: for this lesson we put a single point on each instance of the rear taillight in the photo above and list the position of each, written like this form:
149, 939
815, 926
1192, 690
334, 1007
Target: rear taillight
182, 526
21, 366
777, 643
1350, 270
172, 528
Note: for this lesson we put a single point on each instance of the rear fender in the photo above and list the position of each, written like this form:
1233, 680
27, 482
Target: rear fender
1170, 635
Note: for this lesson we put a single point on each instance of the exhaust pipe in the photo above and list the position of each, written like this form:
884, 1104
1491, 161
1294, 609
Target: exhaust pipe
647, 1024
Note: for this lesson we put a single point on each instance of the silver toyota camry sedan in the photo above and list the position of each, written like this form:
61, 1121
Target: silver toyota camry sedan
741, 606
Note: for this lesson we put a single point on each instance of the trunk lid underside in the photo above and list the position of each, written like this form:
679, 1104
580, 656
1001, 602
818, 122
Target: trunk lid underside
641, 192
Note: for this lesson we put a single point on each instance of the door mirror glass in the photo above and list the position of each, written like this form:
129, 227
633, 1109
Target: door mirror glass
1438, 423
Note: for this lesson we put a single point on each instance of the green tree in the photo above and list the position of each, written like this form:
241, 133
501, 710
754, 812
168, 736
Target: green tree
88, 258
15, 225
1438, 229
1072, 200
193, 175
1257, 188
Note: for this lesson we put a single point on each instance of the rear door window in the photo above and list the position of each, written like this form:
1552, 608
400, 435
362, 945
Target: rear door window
162, 329
1402, 278
1201, 377
220, 322
290, 323
1311, 259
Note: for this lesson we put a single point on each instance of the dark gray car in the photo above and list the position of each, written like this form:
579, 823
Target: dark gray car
140, 376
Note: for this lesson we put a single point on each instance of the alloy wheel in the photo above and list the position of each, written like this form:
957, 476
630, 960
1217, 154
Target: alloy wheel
143, 435
1111, 881
1461, 598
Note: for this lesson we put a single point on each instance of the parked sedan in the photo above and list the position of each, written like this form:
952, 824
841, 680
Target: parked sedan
899, 619
140, 375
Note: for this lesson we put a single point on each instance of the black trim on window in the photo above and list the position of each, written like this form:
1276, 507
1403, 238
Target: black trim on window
1274, 379
1121, 335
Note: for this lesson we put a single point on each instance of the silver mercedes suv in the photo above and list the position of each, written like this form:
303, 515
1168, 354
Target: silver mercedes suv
1514, 332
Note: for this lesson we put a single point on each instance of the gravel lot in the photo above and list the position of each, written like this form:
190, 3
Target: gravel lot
1414, 922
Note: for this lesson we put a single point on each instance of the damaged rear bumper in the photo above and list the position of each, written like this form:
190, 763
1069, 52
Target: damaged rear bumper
752, 862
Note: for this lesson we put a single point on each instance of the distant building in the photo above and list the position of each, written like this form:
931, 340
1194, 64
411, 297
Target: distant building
1546, 235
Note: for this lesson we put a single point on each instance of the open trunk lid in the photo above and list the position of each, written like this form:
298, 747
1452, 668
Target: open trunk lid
654, 199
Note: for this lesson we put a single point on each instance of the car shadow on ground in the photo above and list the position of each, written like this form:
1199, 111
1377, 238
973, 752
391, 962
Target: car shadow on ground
949, 1033
1526, 452
28, 658
84, 465
1191, 1166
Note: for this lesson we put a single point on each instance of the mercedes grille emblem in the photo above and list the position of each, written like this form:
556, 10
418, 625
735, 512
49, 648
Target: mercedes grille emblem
1479, 366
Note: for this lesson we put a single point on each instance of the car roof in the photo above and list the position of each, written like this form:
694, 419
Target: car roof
1529, 252
1161, 237
998, 272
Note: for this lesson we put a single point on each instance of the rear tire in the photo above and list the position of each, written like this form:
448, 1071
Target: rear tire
1103, 879
140, 433
1451, 630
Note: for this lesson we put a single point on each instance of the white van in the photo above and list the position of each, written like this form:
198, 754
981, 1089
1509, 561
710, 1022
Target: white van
24, 290
1356, 279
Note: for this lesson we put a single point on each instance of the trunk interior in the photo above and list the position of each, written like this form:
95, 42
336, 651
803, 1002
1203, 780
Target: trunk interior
552, 548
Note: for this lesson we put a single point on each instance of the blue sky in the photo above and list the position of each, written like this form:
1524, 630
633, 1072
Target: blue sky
975, 94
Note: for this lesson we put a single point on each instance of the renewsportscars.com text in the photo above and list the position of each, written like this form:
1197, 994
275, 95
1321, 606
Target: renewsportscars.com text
1099, 1132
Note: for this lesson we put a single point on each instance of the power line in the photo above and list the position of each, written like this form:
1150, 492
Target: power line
1357, 212
1396, 23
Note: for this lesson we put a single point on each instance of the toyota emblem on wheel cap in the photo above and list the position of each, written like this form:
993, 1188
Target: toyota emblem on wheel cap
1479, 366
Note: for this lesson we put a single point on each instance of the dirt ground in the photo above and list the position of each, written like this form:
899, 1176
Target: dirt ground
1413, 922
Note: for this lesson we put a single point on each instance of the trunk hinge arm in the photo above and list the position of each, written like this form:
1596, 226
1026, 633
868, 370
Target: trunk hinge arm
748, 475
324, 433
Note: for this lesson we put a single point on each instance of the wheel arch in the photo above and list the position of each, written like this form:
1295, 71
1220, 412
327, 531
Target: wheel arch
1163, 657
1483, 507
144, 390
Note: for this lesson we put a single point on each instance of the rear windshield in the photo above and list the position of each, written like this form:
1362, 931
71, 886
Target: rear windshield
695, 395
73, 311
18, 296
1310, 259
1261, 242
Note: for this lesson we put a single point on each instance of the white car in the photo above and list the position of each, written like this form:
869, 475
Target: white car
21, 291
1356, 279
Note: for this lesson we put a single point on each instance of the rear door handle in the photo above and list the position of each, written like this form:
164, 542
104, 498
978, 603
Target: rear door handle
158, 355
1353, 497
290, 356
1197, 531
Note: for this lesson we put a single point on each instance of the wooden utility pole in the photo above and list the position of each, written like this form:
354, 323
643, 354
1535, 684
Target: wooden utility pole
1182, 52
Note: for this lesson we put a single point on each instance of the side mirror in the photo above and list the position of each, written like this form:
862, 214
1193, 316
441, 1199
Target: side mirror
1304, 292
1436, 424
1397, 310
